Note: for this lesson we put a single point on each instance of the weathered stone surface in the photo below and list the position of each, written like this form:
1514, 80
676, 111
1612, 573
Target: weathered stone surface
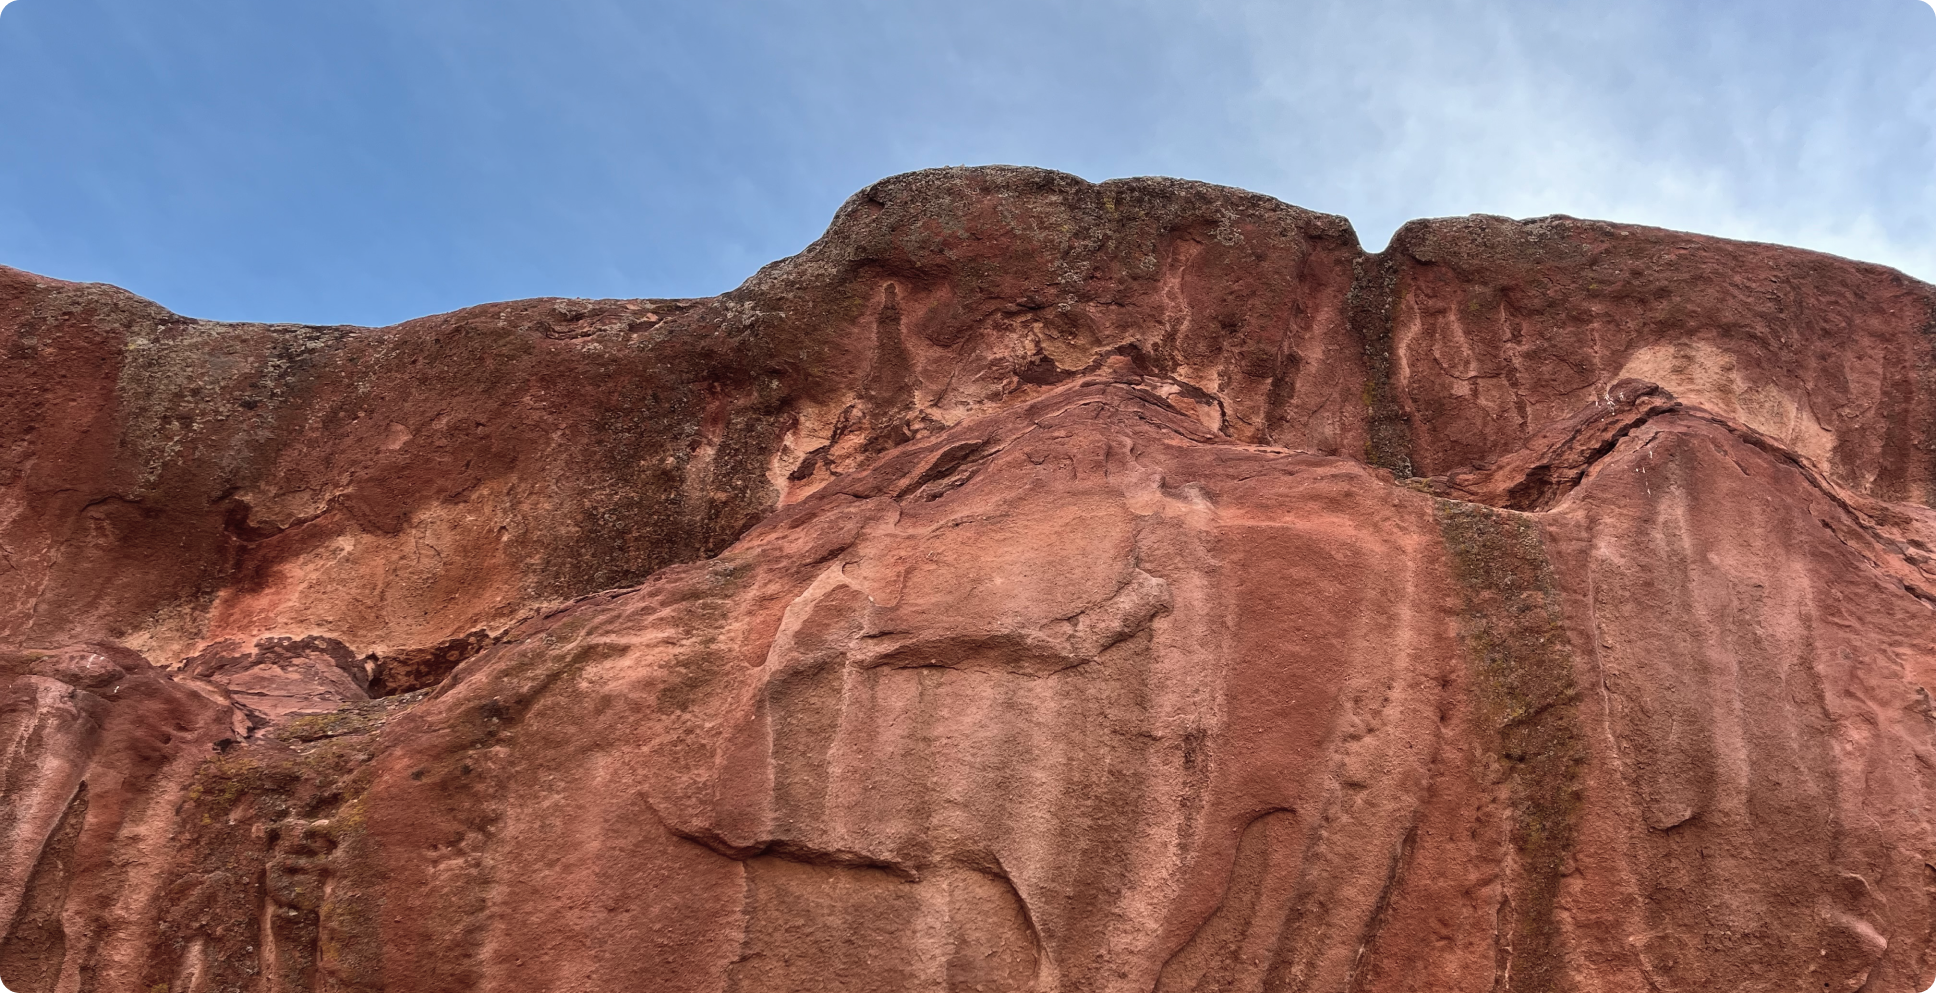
284, 677
1033, 585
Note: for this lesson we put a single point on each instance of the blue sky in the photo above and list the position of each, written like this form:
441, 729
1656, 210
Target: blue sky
367, 161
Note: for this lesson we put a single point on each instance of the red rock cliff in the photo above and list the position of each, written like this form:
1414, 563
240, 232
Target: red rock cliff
1031, 586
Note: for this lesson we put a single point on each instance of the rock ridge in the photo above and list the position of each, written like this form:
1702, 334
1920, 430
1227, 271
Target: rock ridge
1032, 585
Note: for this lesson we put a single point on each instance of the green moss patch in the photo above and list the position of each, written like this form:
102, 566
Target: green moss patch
1521, 667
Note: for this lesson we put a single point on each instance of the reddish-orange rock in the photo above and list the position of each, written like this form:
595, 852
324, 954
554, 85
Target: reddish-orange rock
1032, 586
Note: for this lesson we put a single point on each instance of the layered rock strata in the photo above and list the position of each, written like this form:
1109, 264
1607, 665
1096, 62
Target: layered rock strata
1031, 586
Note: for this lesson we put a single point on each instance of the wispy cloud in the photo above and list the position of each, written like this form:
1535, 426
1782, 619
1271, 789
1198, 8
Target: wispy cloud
364, 161
1767, 123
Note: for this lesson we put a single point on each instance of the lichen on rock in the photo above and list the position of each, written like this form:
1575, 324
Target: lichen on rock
1033, 585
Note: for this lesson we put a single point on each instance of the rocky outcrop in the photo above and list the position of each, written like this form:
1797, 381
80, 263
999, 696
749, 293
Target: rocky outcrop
1033, 585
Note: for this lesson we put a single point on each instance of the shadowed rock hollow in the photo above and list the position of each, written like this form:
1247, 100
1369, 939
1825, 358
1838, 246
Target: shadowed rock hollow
1031, 586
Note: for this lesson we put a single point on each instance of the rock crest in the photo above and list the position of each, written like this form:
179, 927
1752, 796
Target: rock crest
1031, 586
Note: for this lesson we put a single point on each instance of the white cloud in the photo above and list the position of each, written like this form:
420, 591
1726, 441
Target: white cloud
1388, 110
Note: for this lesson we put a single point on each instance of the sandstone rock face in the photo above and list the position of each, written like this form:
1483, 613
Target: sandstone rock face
1032, 586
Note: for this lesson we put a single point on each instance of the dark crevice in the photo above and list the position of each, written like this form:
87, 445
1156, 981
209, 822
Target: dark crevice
951, 461
1369, 313
793, 850
1546, 485
1549, 470
236, 523
411, 669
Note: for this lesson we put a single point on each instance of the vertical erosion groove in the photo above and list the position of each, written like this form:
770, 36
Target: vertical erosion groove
34, 948
1522, 683
1368, 309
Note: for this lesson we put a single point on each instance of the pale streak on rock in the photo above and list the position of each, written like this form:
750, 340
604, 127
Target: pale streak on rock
1033, 585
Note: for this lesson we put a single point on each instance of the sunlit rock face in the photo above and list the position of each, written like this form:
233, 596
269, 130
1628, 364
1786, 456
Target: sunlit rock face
1031, 586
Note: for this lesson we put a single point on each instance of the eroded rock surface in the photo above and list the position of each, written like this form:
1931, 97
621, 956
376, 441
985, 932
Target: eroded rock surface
1032, 586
